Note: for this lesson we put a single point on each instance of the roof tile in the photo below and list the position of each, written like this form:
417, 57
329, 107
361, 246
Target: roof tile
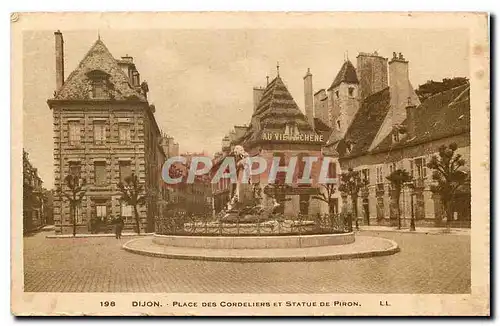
347, 74
78, 84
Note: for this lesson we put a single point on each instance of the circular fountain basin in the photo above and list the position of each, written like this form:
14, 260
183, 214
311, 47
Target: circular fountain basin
254, 242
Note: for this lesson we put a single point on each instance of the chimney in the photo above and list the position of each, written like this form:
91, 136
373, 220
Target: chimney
399, 87
401, 95
128, 59
410, 119
372, 73
308, 97
59, 59
257, 96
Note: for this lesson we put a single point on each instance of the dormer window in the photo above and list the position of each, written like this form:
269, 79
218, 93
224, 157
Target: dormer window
337, 94
338, 125
98, 89
98, 80
351, 91
395, 137
135, 78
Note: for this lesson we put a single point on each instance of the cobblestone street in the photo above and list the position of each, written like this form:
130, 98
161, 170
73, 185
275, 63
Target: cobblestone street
427, 263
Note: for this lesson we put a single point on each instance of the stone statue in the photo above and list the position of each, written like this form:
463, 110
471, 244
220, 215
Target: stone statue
237, 210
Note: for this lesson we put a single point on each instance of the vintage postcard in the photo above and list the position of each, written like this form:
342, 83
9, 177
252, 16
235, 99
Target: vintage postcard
258, 163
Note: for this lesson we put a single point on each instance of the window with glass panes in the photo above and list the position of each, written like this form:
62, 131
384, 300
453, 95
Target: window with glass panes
75, 169
380, 174
100, 210
124, 133
100, 172
125, 170
365, 175
420, 170
98, 89
74, 132
99, 132
126, 211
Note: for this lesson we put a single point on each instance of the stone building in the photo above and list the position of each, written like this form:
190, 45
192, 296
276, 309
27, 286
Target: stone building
278, 128
170, 146
34, 213
392, 130
104, 130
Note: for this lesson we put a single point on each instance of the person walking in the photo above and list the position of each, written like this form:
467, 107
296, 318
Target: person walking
119, 224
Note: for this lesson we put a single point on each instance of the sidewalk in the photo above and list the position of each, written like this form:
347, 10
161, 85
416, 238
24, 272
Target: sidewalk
426, 230
363, 247
98, 235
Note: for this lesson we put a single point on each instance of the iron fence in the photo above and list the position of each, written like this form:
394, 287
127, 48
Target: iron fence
207, 225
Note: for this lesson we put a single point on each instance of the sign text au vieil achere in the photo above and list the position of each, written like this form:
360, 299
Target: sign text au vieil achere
287, 137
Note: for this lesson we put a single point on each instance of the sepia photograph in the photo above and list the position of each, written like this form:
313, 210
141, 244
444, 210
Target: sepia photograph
311, 167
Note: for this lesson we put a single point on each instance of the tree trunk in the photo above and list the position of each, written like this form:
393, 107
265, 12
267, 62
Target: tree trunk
72, 213
398, 195
448, 209
355, 210
136, 214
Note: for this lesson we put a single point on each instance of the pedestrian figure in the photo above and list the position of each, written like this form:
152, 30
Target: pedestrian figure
119, 224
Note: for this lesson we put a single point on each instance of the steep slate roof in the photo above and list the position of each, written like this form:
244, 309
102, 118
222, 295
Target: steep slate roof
276, 108
442, 115
347, 74
78, 85
366, 124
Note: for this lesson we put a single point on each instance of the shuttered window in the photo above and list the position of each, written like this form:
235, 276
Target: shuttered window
100, 173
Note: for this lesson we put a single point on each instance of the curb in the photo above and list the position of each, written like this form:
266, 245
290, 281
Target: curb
340, 256
407, 231
103, 235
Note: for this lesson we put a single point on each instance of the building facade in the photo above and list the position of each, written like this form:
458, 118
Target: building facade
35, 212
192, 198
279, 129
104, 131
393, 128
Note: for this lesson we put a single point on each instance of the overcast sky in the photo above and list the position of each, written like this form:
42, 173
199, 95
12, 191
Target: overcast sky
201, 80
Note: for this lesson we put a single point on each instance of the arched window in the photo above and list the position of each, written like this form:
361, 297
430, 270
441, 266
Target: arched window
98, 80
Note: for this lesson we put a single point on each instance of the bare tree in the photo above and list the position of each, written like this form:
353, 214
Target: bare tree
398, 178
350, 184
327, 195
132, 194
76, 187
448, 176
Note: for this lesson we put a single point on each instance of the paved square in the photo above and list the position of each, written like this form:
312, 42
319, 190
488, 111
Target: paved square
427, 263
